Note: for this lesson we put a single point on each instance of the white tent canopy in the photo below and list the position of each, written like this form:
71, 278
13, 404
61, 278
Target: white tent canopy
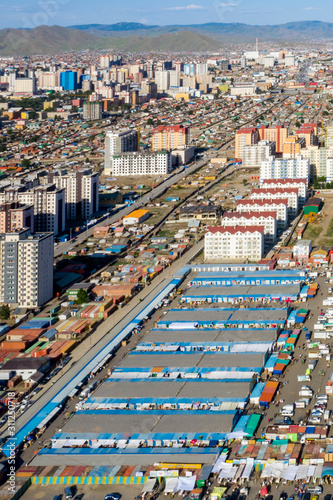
171, 485
186, 483
149, 486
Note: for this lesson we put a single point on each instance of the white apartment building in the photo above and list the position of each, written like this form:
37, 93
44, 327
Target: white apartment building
269, 61
243, 89
300, 184
48, 80
285, 168
162, 80
118, 143
279, 193
25, 86
144, 163
234, 243
329, 170
270, 205
48, 202
89, 193
289, 60
253, 155
26, 268
318, 159
81, 192
266, 219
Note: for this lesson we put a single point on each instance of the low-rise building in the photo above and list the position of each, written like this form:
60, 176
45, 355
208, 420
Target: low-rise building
234, 243
302, 250
200, 212
136, 217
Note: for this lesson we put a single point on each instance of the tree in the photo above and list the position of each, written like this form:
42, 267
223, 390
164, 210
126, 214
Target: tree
82, 297
4, 312
25, 163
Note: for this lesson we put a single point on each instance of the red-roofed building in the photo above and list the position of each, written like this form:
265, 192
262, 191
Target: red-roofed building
266, 219
300, 184
280, 206
240, 243
279, 193
170, 137
245, 137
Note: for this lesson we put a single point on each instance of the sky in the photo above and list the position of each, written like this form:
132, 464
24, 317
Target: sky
32, 13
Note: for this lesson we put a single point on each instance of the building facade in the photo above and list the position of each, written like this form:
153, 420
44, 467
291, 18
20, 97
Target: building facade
169, 138
255, 154
291, 194
266, 219
234, 243
117, 143
81, 192
142, 163
279, 206
26, 268
15, 216
285, 168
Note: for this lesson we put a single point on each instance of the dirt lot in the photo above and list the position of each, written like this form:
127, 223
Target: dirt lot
320, 228
84, 492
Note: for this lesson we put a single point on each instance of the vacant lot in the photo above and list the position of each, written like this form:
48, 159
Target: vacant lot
320, 228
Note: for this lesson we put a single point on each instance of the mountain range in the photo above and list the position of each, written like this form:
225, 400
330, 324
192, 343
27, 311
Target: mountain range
137, 37
304, 30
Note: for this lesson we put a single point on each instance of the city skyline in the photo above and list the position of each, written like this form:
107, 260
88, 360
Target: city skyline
62, 12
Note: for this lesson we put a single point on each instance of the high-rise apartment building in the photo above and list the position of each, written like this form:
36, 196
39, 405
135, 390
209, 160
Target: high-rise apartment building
15, 216
285, 168
118, 143
293, 145
25, 86
329, 136
92, 110
81, 192
141, 163
254, 155
318, 159
26, 268
48, 203
277, 134
245, 137
68, 80
162, 80
48, 80
171, 137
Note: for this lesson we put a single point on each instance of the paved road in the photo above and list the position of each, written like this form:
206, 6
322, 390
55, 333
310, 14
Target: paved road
102, 336
64, 247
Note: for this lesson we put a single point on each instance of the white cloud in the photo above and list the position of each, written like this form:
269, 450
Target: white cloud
312, 8
228, 4
186, 7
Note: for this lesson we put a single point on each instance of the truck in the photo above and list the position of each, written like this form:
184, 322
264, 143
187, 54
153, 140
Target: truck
93, 385
308, 336
312, 364
287, 411
306, 392
84, 394
303, 378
